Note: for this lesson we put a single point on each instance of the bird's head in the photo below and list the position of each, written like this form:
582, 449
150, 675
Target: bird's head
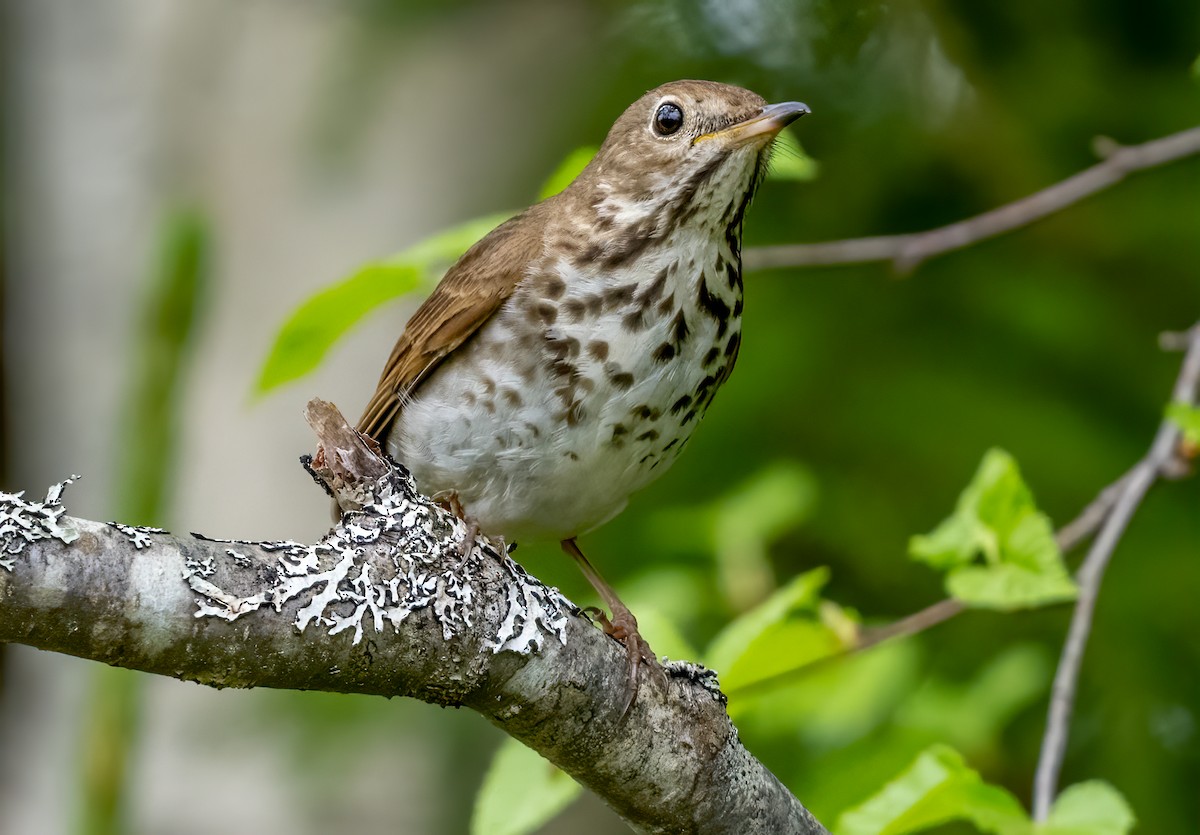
685, 151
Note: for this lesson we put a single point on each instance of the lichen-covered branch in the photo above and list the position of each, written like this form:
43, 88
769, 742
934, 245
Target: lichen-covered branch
390, 602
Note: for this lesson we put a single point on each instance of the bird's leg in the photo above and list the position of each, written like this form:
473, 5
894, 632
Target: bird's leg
451, 501
623, 625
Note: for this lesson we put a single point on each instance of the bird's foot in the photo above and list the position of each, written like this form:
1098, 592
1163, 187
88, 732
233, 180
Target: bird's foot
452, 503
624, 627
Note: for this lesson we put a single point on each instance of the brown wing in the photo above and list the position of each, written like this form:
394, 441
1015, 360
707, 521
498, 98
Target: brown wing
467, 296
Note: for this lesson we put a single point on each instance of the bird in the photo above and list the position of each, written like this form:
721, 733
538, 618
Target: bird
563, 362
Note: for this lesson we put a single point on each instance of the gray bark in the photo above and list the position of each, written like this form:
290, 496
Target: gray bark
390, 603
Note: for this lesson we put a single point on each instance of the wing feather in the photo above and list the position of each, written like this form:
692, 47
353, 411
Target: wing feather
467, 296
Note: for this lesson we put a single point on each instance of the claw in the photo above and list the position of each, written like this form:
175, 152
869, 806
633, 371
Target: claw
623, 627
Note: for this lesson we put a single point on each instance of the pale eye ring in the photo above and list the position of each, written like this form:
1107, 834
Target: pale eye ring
668, 118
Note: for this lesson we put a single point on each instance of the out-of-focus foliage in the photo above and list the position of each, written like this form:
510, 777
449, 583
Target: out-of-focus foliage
1187, 418
520, 792
174, 303
1042, 342
312, 329
939, 787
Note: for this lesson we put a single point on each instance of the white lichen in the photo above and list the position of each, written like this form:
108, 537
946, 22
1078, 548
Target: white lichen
239, 559
384, 562
139, 535
697, 674
23, 522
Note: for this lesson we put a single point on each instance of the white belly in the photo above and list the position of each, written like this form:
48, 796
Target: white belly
541, 449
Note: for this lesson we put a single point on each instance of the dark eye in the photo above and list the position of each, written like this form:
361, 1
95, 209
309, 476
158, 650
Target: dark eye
668, 118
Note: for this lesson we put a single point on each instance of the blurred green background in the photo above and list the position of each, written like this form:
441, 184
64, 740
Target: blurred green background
308, 138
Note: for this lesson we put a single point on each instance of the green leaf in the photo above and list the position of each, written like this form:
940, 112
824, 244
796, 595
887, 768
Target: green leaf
318, 323
802, 591
789, 163
567, 171
781, 648
1187, 418
520, 792
998, 550
937, 788
1090, 808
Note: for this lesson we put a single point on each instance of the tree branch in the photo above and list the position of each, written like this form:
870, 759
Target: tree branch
388, 603
1132, 489
907, 252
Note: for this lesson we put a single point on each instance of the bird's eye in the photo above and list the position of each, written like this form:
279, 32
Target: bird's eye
668, 118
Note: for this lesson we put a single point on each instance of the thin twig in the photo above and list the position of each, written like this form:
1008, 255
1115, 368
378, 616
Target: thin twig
907, 252
1135, 485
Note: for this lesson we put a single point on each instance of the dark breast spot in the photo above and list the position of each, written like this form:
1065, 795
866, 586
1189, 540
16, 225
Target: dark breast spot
681, 404
714, 306
598, 350
732, 274
544, 312
648, 435
634, 321
615, 297
679, 329
575, 414
553, 287
653, 291
623, 381
573, 309
664, 352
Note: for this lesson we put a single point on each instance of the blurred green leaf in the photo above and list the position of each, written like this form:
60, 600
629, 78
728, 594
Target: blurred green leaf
789, 163
831, 705
749, 518
173, 304
1090, 808
779, 649
975, 714
1187, 418
936, 789
996, 519
324, 318
662, 634
520, 792
567, 171
801, 592
669, 599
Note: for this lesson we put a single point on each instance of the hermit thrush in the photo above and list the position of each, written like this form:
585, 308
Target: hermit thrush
565, 360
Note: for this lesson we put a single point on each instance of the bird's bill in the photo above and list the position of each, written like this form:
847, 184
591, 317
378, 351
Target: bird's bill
770, 120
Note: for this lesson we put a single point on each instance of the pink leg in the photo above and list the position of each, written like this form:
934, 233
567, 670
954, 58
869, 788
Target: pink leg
623, 625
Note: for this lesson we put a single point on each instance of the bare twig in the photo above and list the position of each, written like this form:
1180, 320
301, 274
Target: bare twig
907, 252
1132, 489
